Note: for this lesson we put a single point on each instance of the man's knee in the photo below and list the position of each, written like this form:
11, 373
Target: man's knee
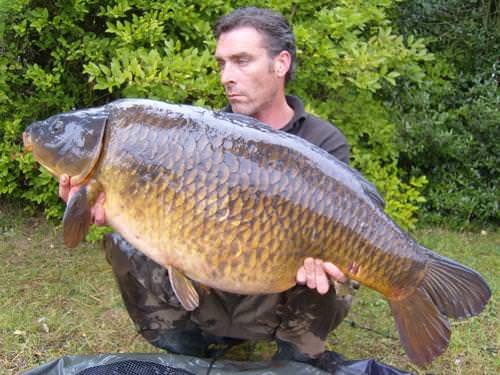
118, 251
144, 286
308, 317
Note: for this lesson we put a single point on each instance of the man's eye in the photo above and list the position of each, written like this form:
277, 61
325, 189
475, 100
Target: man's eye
242, 61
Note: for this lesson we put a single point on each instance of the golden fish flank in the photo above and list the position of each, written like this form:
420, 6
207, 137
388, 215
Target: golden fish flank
228, 202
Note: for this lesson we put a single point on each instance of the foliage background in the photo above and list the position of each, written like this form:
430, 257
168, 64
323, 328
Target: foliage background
449, 124
380, 86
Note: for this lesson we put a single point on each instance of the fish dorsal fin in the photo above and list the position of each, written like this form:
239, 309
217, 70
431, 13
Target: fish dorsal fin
372, 192
369, 189
184, 289
77, 216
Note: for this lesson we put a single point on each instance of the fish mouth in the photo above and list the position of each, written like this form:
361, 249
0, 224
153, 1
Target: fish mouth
28, 144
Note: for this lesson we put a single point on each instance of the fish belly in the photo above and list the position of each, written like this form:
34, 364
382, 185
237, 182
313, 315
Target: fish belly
240, 213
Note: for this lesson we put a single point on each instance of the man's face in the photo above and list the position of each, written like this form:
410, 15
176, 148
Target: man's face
247, 71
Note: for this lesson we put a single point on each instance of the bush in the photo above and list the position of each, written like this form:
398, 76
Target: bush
62, 55
449, 125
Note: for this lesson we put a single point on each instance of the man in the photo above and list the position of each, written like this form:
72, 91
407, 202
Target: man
256, 54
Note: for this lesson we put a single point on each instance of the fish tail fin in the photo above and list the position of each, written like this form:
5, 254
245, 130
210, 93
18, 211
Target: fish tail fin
448, 289
458, 291
424, 332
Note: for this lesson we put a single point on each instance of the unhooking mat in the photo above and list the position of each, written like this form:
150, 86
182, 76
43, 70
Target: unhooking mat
171, 364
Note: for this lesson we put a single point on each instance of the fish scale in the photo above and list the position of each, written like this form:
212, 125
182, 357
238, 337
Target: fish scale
225, 201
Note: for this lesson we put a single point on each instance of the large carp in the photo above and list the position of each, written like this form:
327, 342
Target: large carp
225, 200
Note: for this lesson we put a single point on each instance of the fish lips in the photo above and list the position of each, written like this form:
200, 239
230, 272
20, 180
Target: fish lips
27, 143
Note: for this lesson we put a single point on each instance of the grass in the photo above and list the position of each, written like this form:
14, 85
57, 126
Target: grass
56, 301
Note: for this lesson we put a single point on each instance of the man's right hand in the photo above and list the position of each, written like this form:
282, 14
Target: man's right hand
66, 190
316, 274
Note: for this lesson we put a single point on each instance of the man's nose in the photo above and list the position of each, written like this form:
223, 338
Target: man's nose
227, 74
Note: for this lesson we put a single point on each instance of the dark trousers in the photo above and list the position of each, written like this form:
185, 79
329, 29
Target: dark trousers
299, 316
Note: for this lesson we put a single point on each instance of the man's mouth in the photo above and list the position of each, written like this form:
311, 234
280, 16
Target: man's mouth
234, 96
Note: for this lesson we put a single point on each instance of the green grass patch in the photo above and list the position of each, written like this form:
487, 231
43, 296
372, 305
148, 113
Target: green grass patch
369, 330
56, 301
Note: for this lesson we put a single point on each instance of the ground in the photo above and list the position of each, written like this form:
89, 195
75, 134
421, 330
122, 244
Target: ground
57, 301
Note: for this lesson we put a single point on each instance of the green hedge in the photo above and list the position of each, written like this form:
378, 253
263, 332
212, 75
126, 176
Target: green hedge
449, 124
59, 55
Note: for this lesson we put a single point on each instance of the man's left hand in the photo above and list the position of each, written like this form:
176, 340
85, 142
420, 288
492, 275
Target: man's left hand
316, 274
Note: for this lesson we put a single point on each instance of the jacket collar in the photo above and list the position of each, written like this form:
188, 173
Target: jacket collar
298, 109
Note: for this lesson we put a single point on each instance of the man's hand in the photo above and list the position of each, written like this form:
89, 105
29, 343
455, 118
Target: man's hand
66, 190
316, 274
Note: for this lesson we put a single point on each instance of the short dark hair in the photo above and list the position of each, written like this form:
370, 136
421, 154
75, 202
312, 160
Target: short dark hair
277, 32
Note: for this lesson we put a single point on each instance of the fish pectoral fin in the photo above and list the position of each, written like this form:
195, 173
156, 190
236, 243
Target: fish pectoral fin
77, 216
183, 289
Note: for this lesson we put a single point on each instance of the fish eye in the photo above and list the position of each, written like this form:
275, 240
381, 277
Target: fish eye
57, 126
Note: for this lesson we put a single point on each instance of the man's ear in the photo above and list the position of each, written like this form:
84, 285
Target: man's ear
282, 63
